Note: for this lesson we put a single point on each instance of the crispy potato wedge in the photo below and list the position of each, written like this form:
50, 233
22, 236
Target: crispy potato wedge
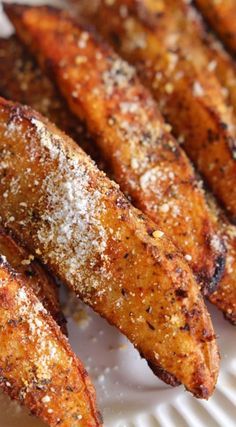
109, 253
221, 15
144, 158
189, 98
38, 367
34, 276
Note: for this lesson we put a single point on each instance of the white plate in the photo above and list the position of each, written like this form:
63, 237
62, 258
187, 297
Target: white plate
129, 395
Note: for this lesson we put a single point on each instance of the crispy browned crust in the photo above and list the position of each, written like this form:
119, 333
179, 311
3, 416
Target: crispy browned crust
37, 365
103, 248
144, 158
190, 98
225, 68
225, 296
34, 276
201, 46
13, 53
221, 15
22, 81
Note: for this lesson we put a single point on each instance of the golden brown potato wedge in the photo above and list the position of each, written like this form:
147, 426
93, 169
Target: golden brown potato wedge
144, 158
190, 99
38, 367
82, 227
34, 276
221, 15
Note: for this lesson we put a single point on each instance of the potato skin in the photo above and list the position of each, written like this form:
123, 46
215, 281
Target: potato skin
144, 158
24, 82
202, 48
189, 98
221, 16
108, 252
224, 297
34, 275
38, 367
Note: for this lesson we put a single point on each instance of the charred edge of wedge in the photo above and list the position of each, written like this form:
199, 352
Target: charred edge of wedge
164, 375
217, 276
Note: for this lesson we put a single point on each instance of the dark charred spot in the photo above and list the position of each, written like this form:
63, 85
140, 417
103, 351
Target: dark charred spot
35, 216
115, 39
209, 284
212, 136
69, 388
30, 273
149, 309
126, 255
62, 322
124, 292
219, 271
141, 216
150, 325
207, 336
181, 293
170, 256
164, 375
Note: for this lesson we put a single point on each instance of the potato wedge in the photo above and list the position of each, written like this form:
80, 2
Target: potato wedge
38, 367
80, 225
34, 276
144, 158
190, 99
221, 15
